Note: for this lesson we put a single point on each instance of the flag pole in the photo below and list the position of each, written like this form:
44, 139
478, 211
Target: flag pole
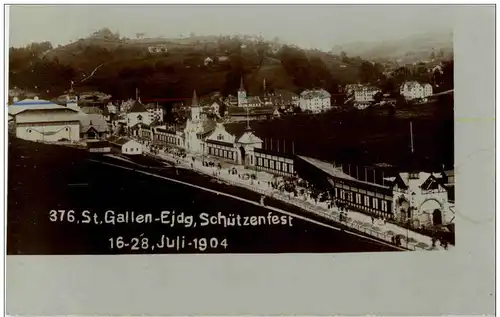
411, 136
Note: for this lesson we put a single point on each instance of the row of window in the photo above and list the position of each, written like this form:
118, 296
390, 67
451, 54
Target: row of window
131, 149
168, 139
221, 153
275, 158
275, 165
360, 199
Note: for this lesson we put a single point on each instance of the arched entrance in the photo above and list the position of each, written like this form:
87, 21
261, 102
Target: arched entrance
437, 217
427, 210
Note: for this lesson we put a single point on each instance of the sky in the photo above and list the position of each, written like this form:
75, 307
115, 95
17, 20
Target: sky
309, 26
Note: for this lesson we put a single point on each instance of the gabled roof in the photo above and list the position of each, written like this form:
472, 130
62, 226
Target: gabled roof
236, 129
249, 138
137, 106
93, 120
315, 93
35, 104
119, 140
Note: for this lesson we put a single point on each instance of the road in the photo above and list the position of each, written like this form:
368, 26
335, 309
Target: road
42, 178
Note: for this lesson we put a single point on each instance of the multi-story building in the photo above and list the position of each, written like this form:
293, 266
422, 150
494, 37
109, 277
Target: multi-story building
365, 93
316, 100
414, 90
155, 113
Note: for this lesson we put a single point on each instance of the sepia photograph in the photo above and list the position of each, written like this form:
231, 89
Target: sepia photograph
239, 143
231, 129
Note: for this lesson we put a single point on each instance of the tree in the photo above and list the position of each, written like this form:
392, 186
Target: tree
343, 57
378, 97
368, 72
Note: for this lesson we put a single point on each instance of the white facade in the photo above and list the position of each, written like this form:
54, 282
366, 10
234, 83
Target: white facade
315, 100
41, 120
134, 118
414, 90
424, 201
132, 148
194, 126
155, 114
242, 95
365, 94
225, 145
49, 132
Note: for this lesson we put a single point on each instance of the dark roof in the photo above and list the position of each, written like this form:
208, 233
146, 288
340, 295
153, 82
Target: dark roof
105, 111
275, 153
97, 144
236, 129
114, 140
241, 111
137, 107
140, 125
220, 142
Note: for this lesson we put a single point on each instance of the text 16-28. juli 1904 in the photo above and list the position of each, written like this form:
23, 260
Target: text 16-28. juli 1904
143, 243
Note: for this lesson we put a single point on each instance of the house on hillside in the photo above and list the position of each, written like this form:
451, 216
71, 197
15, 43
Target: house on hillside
208, 61
415, 90
223, 59
157, 49
315, 100
365, 94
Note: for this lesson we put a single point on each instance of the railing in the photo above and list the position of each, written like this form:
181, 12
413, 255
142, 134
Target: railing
332, 215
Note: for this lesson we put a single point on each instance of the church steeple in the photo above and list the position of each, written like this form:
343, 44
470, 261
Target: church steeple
242, 87
242, 94
195, 109
194, 101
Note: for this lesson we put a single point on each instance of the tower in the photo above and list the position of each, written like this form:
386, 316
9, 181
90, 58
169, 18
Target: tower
72, 99
195, 109
242, 94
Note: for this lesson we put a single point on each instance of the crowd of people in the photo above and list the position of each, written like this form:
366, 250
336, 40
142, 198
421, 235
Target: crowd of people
292, 185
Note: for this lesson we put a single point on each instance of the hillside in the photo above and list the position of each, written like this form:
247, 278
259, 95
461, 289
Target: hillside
408, 50
117, 66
